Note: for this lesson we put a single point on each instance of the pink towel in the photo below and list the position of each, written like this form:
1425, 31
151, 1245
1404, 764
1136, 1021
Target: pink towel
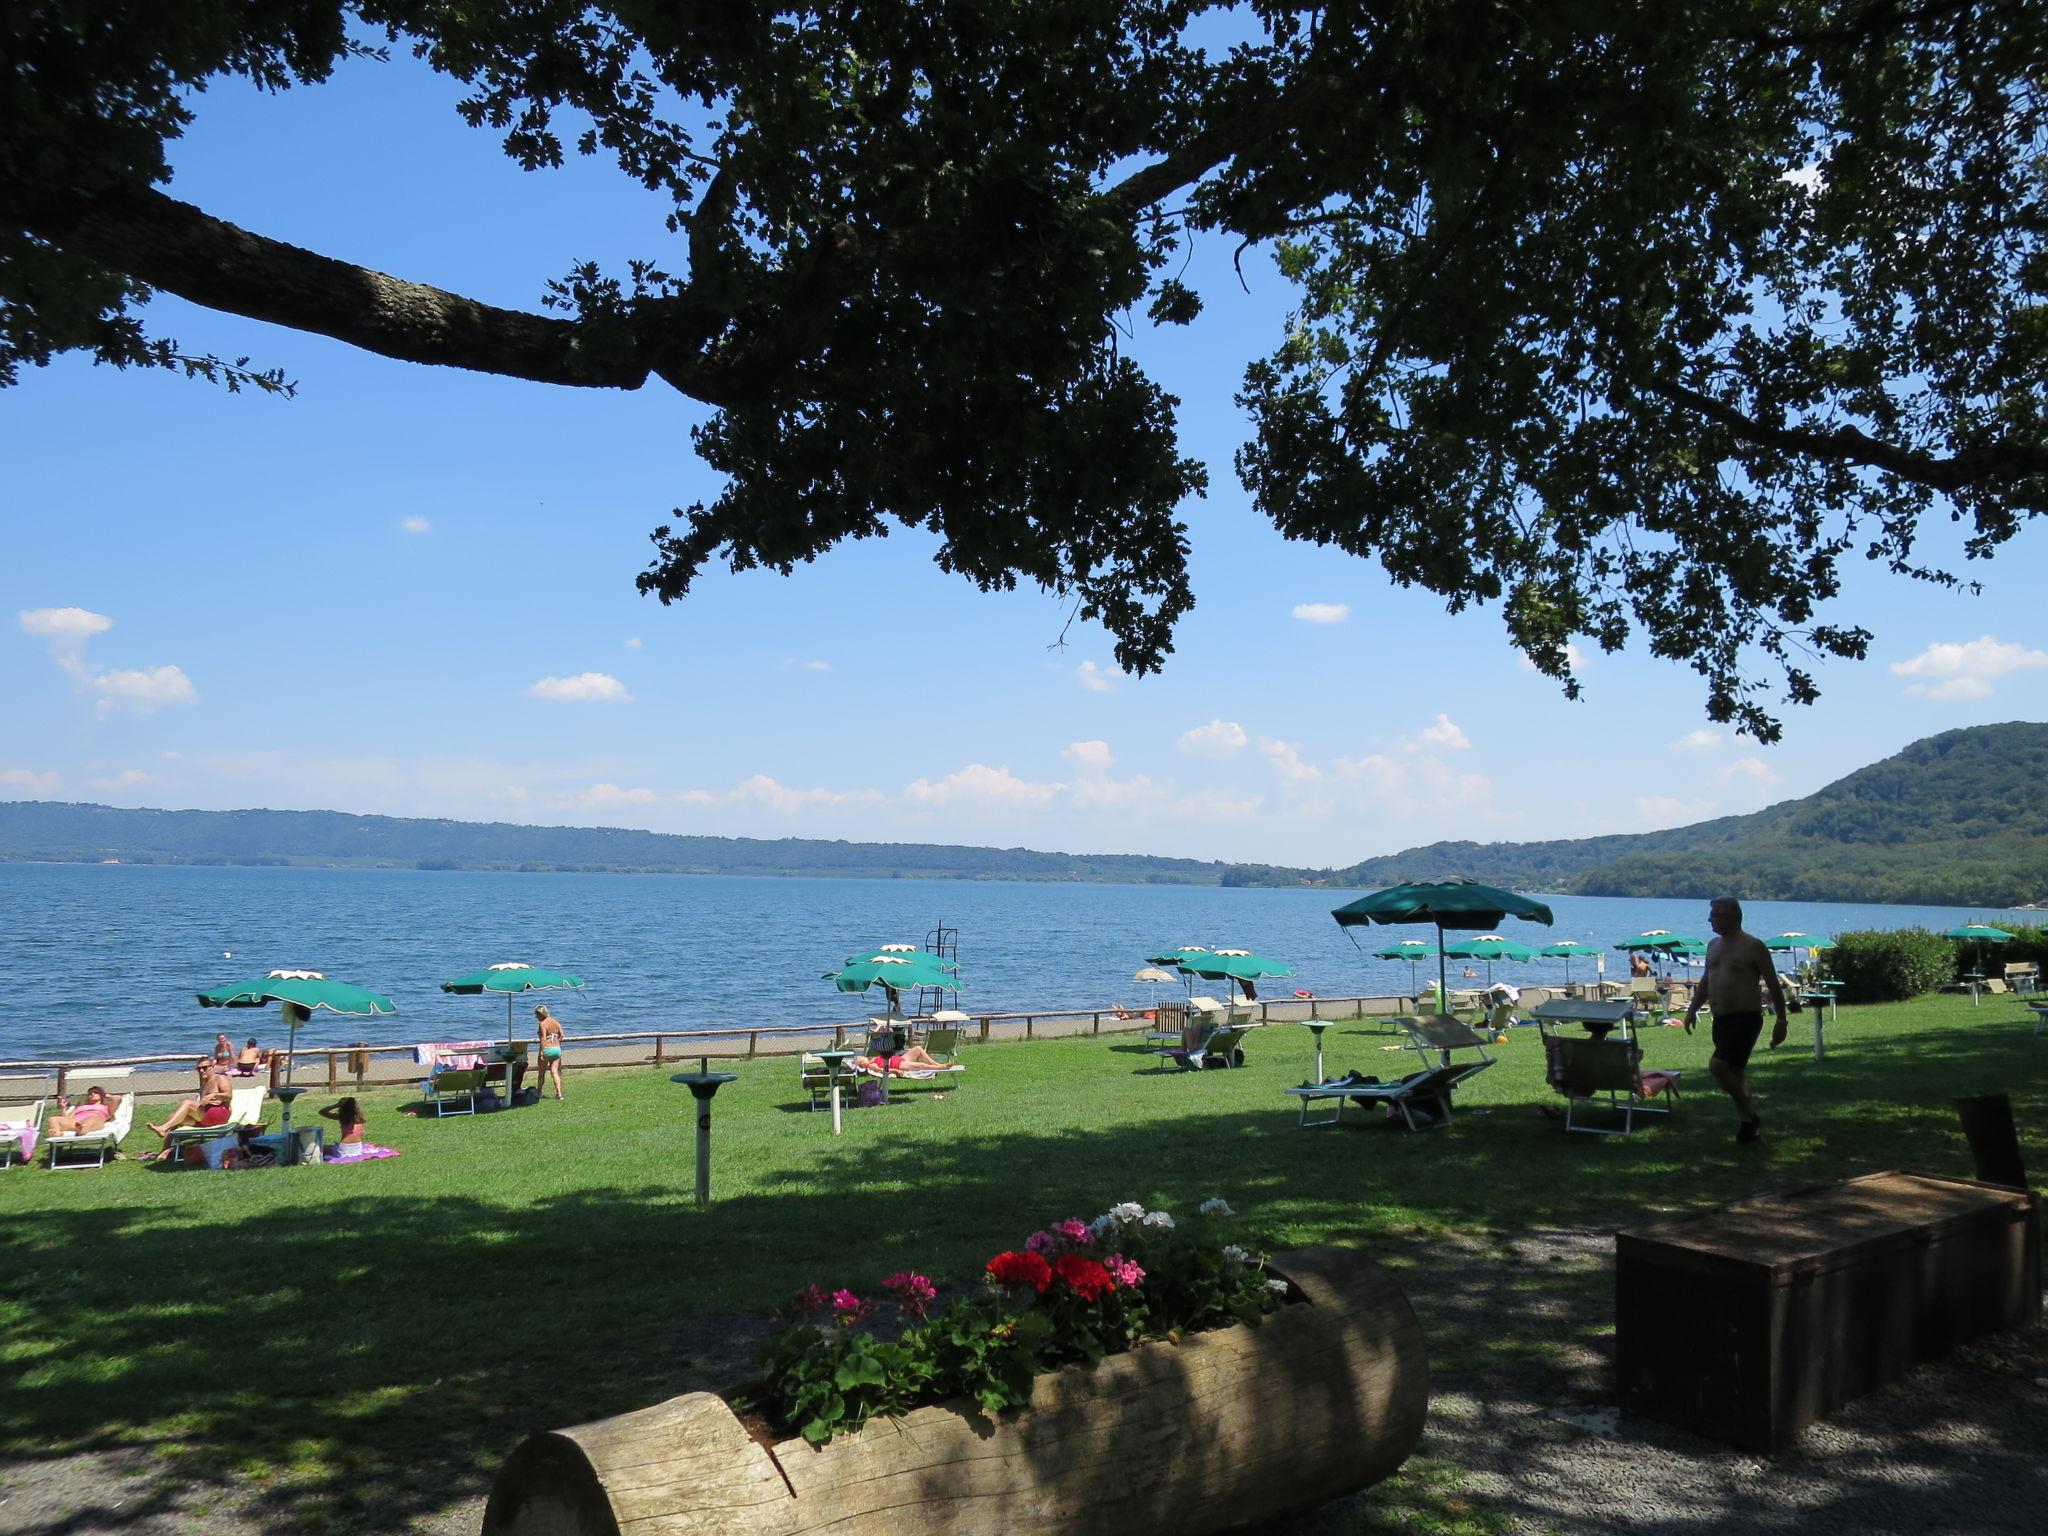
26, 1130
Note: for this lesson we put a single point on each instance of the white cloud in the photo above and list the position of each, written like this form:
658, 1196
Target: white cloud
979, 784
1964, 670
1097, 791
604, 797
415, 525
1089, 756
1746, 768
1667, 811
170, 756
782, 799
1219, 738
509, 794
1808, 178
806, 666
1322, 613
142, 689
1443, 735
127, 778
1705, 739
632, 642
1097, 679
583, 688
26, 778
697, 797
1412, 782
1288, 763
65, 628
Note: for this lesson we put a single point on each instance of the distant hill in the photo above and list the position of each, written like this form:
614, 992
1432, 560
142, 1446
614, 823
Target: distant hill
1959, 819
48, 830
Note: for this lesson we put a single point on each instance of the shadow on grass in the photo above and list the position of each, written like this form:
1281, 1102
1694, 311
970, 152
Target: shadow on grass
371, 1358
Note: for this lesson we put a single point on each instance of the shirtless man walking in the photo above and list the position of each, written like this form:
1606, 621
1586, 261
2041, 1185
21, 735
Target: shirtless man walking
1739, 971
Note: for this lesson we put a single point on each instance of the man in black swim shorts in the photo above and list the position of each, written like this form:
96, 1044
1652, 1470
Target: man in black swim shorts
1740, 971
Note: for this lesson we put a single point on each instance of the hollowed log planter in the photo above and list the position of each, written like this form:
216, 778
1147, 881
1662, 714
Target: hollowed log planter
1326, 1397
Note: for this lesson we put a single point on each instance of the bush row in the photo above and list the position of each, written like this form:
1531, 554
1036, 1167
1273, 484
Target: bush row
1888, 965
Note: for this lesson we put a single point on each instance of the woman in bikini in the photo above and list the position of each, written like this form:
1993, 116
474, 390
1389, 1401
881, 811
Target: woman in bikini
90, 1114
550, 1048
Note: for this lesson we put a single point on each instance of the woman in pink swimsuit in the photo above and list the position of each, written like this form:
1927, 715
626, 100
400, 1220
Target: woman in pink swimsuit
90, 1114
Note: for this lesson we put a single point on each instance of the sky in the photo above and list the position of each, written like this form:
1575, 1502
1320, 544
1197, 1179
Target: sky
409, 591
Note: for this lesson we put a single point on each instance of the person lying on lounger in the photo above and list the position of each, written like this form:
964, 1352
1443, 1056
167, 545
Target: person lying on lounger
90, 1114
916, 1059
210, 1108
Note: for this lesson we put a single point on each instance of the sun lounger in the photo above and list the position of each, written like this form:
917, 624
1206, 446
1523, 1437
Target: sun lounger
1206, 1046
447, 1089
816, 1076
1421, 1100
91, 1149
19, 1128
245, 1108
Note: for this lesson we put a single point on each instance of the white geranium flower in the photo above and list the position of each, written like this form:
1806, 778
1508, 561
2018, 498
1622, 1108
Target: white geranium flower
1130, 1210
1102, 1223
1277, 1285
1236, 1254
1158, 1219
1217, 1206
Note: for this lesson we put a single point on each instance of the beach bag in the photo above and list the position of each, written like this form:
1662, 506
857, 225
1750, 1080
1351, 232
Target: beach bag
870, 1094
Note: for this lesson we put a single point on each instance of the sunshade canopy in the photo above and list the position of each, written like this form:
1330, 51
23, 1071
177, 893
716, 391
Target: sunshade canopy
1407, 949
1153, 973
1233, 964
510, 976
1664, 941
1567, 949
1794, 941
1489, 946
895, 966
309, 989
1981, 932
1461, 904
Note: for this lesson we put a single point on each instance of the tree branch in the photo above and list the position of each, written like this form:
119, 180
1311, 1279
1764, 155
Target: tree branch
182, 250
1995, 463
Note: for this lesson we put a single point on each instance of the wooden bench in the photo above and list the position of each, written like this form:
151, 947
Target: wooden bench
1750, 1322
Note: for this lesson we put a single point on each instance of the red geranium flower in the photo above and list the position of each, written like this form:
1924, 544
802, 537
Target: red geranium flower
1015, 1270
1084, 1276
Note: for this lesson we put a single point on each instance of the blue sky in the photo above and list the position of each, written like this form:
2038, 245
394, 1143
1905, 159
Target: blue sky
410, 591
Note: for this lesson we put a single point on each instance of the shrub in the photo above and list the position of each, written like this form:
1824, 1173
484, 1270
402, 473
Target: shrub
1890, 965
1076, 1291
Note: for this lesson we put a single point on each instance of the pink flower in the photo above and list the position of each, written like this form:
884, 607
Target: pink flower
847, 1308
913, 1293
1038, 1242
1124, 1271
1075, 1232
806, 1301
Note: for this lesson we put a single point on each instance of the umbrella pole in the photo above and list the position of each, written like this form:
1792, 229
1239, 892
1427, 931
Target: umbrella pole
1443, 980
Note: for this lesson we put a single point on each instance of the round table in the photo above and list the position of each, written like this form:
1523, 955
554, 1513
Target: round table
834, 1060
704, 1085
1316, 1028
285, 1095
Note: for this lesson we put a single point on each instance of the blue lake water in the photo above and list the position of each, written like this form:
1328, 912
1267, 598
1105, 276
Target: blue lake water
105, 959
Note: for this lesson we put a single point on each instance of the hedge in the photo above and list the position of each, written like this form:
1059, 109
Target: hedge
1889, 965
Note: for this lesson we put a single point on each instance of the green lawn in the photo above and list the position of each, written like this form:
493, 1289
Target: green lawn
371, 1339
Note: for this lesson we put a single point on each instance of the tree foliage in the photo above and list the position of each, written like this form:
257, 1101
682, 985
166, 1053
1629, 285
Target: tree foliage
1619, 317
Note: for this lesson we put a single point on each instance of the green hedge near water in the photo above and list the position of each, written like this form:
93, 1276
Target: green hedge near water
1891, 965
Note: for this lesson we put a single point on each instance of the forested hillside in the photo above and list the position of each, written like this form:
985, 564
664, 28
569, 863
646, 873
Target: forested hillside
89, 833
1957, 819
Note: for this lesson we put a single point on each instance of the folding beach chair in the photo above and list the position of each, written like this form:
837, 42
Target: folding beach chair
453, 1086
816, 1076
91, 1149
1584, 1069
1207, 1046
19, 1128
1421, 1100
245, 1108
1441, 1035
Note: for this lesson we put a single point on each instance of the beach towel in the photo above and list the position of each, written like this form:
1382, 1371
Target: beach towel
359, 1152
26, 1130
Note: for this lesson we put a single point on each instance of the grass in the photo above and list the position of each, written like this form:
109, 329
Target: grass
366, 1342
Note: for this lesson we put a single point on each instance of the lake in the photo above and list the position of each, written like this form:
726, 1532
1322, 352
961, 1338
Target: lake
103, 960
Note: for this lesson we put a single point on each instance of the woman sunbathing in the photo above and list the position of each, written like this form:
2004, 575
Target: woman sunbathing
90, 1114
916, 1059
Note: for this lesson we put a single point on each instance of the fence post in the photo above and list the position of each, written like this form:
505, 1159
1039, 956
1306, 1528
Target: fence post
984, 1029
1028, 1021
62, 1072
753, 1042
1098, 1024
333, 1070
657, 1050
838, 1037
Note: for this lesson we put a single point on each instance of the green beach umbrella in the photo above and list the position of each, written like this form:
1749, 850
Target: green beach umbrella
1783, 941
895, 967
1489, 947
1567, 950
306, 991
1463, 905
1238, 965
1979, 934
1662, 941
510, 977
1414, 951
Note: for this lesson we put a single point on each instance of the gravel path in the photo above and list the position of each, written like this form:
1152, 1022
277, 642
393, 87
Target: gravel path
1528, 1437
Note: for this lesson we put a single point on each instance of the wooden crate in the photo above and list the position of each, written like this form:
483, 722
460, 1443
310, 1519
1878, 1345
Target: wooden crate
1748, 1323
